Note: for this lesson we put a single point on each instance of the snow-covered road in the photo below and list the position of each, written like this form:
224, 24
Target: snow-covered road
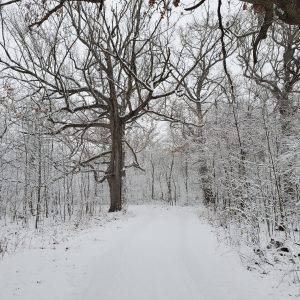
160, 254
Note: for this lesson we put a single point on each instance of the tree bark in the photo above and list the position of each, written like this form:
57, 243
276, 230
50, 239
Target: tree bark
209, 197
116, 165
286, 10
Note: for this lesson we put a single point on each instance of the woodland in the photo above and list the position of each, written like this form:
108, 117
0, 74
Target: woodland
104, 104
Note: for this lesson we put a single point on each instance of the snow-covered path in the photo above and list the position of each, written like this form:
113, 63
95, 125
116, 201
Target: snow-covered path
160, 254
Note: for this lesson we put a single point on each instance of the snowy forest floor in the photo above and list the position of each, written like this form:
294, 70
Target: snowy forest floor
152, 252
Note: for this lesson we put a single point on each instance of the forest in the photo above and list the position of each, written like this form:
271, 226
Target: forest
185, 105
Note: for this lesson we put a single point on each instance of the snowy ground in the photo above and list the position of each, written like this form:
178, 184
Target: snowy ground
159, 254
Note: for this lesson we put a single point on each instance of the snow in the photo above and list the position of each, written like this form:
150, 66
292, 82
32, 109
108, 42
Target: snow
161, 253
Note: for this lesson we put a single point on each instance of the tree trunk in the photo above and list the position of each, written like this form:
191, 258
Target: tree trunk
286, 116
116, 165
206, 181
39, 188
152, 178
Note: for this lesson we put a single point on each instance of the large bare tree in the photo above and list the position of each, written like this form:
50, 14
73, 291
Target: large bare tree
99, 69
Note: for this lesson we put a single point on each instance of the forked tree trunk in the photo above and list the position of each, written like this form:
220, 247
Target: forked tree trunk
116, 166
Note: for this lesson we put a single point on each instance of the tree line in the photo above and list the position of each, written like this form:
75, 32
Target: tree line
111, 100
